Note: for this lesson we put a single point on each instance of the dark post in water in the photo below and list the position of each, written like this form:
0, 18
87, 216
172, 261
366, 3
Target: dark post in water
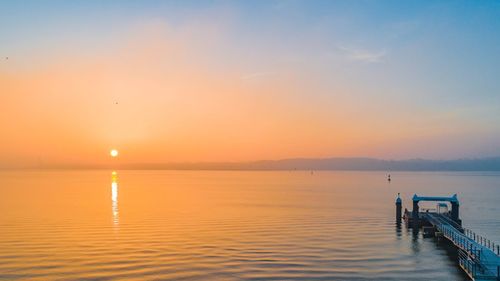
399, 207
415, 212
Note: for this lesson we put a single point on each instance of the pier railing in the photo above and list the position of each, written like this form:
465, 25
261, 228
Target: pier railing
478, 256
495, 248
469, 265
473, 258
461, 241
474, 269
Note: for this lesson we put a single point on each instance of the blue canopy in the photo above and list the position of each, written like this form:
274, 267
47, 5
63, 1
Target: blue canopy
453, 198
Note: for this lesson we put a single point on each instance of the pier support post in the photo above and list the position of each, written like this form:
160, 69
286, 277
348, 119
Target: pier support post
455, 209
415, 212
399, 209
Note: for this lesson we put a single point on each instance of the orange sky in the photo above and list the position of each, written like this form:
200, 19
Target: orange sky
171, 107
179, 101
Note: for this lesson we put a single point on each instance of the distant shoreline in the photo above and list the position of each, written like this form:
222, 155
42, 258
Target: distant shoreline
302, 164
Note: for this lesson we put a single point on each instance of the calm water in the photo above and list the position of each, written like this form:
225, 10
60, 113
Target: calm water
206, 225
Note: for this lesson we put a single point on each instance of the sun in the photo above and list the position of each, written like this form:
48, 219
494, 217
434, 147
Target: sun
113, 153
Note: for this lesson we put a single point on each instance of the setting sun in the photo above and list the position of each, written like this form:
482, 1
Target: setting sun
113, 153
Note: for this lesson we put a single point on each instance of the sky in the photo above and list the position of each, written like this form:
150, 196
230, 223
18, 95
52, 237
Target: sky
217, 81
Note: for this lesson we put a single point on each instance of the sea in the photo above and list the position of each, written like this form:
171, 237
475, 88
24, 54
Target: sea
231, 225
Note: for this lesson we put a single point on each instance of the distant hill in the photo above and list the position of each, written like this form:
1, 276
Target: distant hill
335, 163
360, 164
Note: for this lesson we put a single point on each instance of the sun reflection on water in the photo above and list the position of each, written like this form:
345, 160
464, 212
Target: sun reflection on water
114, 197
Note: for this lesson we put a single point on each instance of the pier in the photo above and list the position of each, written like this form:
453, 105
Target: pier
477, 256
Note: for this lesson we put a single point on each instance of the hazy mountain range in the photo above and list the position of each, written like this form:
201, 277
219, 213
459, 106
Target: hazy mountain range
335, 163
362, 164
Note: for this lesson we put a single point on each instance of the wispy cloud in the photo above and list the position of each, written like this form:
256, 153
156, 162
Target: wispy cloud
363, 55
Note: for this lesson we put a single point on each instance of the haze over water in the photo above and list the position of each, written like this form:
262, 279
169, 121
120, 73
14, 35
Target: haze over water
218, 225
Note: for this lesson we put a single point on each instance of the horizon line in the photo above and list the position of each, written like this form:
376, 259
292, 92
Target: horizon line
298, 163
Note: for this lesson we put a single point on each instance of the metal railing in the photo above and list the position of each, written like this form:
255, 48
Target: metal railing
494, 247
467, 264
461, 241
471, 259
